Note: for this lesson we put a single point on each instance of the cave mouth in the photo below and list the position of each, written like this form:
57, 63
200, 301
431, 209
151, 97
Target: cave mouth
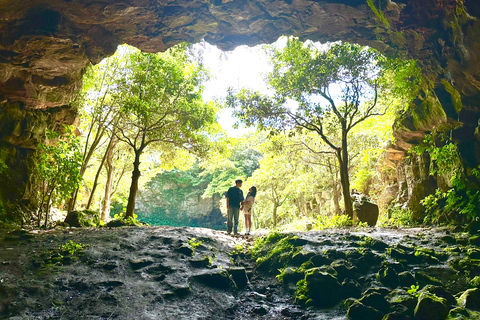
239, 68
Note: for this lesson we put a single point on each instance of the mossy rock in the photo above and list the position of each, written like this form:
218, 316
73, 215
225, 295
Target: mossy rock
431, 307
474, 240
388, 276
83, 219
359, 311
402, 298
470, 299
323, 288
376, 301
463, 314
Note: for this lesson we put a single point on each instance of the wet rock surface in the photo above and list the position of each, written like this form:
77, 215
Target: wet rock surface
148, 273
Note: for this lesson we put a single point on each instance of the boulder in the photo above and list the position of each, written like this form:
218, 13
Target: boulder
431, 307
388, 276
84, 218
216, 278
364, 210
323, 288
376, 301
239, 276
470, 299
359, 311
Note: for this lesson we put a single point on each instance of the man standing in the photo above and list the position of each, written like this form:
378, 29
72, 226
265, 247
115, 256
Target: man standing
234, 201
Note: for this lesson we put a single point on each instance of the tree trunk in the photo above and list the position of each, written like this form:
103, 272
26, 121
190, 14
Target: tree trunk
275, 207
97, 176
109, 184
134, 186
336, 199
342, 156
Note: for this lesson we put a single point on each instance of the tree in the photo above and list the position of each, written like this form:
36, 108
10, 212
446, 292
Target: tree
57, 166
95, 101
160, 104
333, 92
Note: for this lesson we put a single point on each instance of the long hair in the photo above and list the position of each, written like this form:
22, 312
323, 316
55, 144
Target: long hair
254, 191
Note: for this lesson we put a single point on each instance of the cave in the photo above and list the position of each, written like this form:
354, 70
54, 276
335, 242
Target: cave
45, 47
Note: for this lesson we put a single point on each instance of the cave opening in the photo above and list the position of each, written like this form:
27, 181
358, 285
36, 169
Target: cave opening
183, 191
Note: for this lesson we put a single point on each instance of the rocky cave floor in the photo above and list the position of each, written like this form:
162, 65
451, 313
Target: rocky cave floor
195, 273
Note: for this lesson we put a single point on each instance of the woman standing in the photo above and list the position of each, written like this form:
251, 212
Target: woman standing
247, 208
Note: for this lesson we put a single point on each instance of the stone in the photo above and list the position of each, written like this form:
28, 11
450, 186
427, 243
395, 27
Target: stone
292, 275
474, 240
239, 276
470, 299
343, 269
396, 316
364, 210
261, 311
388, 276
376, 301
351, 288
215, 278
402, 298
110, 265
84, 218
431, 307
406, 279
301, 257
184, 249
358, 311
440, 292
200, 263
323, 288
137, 264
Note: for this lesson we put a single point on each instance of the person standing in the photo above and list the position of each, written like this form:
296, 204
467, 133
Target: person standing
247, 208
234, 205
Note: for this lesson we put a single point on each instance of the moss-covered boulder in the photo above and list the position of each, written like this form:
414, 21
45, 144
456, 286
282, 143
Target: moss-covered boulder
83, 219
388, 276
376, 301
320, 288
359, 311
431, 307
400, 297
470, 299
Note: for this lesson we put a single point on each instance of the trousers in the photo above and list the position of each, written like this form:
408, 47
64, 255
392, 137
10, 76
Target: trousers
232, 219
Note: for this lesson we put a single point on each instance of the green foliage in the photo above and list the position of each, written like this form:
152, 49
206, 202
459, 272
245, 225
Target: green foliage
73, 248
64, 254
56, 169
194, 243
274, 251
325, 222
301, 294
397, 217
458, 200
378, 12
413, 290
121, 220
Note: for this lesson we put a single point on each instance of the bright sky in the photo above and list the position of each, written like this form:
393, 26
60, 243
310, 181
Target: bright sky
244, 67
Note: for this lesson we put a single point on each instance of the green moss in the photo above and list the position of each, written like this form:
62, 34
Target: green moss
456, 96
428, 113
379, 14
475, 282
301, 294
277, 255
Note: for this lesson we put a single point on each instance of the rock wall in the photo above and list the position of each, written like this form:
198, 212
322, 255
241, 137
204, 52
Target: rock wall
179, 205
46, 44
